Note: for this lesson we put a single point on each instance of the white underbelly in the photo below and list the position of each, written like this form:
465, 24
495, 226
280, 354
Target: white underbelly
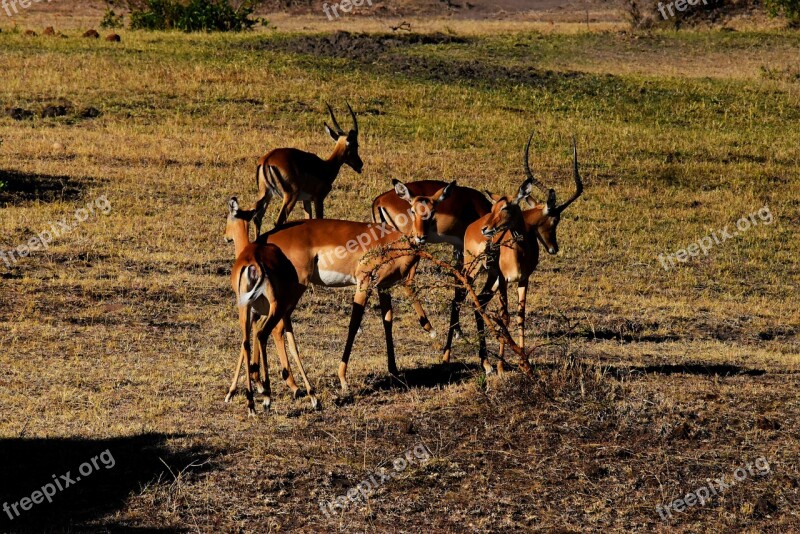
335, 278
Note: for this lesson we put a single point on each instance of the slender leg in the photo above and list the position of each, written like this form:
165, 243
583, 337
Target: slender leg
261, 208
386, 316
318, 202
267, 393
277, 332
483, 299
307, 209
359, 304
261, 349
244, 357
235, 382
296, 355
503, 291
408, 289
461, 294
288, 205
257, 358
522, 294
454, 330
458, 297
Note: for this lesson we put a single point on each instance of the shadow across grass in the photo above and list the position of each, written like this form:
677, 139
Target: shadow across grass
125, 465
431, 376
362, 47
385, 54
24, 186
723, 370
611, 334
441, 374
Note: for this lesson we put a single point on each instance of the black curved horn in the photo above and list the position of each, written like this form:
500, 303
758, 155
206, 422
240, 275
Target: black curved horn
576, 176
527, 166
353, 116
335, 122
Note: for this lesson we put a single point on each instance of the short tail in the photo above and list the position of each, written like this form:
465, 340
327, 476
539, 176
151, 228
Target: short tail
255, 278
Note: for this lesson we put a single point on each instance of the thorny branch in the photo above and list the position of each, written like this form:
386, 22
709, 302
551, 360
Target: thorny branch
499, 329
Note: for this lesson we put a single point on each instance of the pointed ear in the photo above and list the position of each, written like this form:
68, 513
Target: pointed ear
492, 197
524, 191
233, 206
402, 191
444, 193
331, 132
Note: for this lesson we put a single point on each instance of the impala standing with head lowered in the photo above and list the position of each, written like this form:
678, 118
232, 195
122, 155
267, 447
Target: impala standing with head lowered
505, 243
438, 212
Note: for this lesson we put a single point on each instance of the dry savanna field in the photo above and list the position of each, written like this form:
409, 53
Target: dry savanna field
649, 384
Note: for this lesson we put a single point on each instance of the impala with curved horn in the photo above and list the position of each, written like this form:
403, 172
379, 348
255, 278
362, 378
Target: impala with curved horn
500, 244
505, 243
294, 174
546, 220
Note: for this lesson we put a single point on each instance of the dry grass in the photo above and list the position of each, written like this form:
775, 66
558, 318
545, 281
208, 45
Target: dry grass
123, 333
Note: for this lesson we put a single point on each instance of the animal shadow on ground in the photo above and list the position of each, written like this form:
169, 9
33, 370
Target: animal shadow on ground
129, 464
24, 186
722, 370
441, 374
431, 376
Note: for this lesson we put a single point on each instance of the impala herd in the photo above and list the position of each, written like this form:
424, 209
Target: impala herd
488, 232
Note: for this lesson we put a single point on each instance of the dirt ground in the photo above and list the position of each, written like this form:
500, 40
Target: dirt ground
649, 384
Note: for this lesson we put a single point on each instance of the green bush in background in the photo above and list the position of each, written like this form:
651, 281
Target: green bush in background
196, 15
788, 8
111, 20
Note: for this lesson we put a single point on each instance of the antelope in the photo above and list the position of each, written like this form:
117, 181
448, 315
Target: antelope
505, 243
436, 212
294, 174
267, 289
499, 243
335, 253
